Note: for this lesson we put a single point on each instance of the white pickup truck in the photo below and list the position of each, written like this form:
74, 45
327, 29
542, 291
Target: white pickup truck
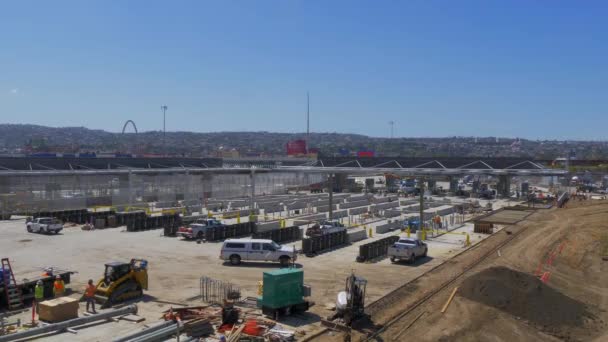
198, 228
46, 225
407, 249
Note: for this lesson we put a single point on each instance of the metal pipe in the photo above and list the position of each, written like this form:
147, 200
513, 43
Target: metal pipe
150, 329
131, 309
158, 335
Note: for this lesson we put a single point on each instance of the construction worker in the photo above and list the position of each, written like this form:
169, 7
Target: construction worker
38, 294
58, 287
89, 295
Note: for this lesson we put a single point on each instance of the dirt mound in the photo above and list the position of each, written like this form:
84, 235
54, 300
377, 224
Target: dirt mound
525, 296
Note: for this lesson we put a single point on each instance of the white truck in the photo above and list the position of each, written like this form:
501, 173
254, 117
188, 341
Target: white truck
198, 228
46, 225
237, 250
325, 227
407, 249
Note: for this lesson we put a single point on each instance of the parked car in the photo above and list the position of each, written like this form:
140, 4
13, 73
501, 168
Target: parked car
237, 250
46, 225
197, 229
407, 249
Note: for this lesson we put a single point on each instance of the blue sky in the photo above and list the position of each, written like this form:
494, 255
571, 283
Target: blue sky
534, 69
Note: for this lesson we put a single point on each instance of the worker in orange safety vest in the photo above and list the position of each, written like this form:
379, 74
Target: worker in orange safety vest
58, 287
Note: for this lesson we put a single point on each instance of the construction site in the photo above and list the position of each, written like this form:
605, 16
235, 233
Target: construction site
186, 249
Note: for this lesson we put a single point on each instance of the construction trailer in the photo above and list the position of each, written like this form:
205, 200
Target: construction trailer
14, 293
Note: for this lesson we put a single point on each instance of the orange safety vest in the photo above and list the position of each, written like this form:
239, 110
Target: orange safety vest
59, 286
90, 291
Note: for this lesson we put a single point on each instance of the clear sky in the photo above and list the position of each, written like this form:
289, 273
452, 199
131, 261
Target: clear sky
534, 69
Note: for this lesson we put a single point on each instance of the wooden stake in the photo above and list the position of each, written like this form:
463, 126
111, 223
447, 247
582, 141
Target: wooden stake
445, 306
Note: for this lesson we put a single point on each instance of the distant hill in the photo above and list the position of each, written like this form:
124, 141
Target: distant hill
15, 139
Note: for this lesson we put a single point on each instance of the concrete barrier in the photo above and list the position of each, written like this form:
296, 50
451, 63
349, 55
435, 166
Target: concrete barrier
309, 219
263, 227
325, 208
385, 228
358, 211
391, 213
358, 235
296, 205
340, 214
348, 205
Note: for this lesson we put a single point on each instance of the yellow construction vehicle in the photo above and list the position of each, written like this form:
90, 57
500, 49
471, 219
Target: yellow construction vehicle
122, 281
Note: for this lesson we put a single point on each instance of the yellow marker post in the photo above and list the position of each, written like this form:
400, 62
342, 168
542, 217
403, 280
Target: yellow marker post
423, 233
408, 231
371, 233
209, 215
238, 217
467, 243
260, 288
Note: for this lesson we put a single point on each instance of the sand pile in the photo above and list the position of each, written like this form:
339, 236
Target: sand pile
524, 296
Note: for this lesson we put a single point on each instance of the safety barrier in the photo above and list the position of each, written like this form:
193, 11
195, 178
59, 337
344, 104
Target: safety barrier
79, 216
354, 236
267, 226
353, 204
317, 244
280, 235
385, 228
357, 211
340, 214
227, 232
325, 208
391, 213
141, 222
376, 249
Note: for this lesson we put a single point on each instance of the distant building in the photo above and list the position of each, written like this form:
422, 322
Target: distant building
296, 148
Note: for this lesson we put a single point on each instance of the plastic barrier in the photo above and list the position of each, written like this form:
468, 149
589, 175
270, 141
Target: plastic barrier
231, 231
317, 244
280, 235
376, 249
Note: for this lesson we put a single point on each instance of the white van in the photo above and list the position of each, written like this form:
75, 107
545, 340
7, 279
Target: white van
237, 250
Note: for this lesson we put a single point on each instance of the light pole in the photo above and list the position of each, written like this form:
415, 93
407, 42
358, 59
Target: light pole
392, 123
164, 109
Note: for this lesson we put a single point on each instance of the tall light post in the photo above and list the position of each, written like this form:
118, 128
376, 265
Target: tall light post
164, 109
391, 123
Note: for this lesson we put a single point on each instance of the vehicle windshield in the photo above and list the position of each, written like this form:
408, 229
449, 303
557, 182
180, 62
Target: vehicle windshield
276, 245
408, 241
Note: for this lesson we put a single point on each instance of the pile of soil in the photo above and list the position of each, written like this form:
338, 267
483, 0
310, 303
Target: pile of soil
525, 296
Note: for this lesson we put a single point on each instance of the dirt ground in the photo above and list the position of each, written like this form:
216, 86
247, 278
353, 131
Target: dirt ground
176, 265
563, 247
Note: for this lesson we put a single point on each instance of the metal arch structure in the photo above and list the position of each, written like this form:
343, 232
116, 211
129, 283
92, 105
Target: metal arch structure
132, 124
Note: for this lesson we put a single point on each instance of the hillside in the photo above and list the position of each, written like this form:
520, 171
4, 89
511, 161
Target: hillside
16, 138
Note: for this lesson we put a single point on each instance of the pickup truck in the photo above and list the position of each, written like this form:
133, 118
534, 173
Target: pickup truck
325, 227
407, 249
198, 228
46, 225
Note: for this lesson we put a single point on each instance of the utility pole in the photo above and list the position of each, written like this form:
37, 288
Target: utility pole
392, 124
421, 222
307, 120
164, 109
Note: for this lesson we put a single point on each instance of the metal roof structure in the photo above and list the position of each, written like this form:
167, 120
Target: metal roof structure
401, 166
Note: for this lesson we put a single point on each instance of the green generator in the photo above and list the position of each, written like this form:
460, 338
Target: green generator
283, 292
